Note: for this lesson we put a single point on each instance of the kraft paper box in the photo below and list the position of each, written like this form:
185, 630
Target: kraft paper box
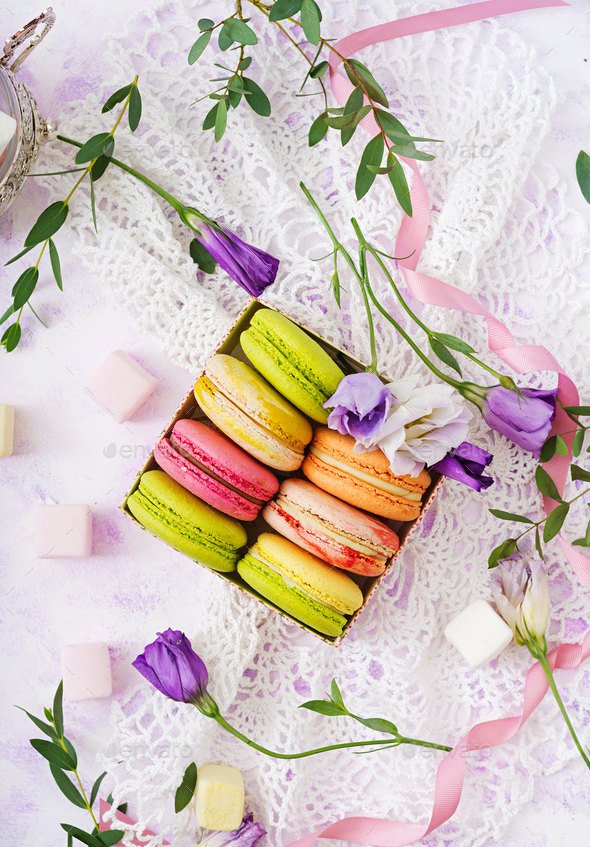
190, 409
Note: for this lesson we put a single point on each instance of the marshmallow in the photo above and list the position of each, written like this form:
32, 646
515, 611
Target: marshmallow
219, 798
6, 429
64, 531
120, 385
479, 634
86, 671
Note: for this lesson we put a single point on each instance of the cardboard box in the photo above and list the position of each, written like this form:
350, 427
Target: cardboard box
190, 409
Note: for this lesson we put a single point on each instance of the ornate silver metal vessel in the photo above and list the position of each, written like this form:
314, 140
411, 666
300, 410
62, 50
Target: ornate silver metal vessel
17, 100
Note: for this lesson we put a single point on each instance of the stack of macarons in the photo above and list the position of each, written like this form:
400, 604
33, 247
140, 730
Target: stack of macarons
217, 472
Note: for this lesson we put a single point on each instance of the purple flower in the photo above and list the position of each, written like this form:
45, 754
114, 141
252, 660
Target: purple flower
173, 667
248, 834
250, 267
360, 405
466, 463
527, 422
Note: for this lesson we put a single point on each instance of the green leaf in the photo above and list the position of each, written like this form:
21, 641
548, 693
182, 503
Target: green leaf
134, 108
583, 174
54, 754
80, 835
95, 788
201, 256
220, 120
561, 446
256, 97
93, 204
369, 82
57, 711
11, 338
48, 714
240, 31
573, 410
379, 171
349, 121
400, 185
378, 724
117, 97
99, 167
284, 9
224, 39
67, 787
205, 23
509, 516
353, 104
548, 449
24, 287
44, 727
245, 63
411, 152
454, 343
310, 21
199, 47
210, 117
583, 542
318, 130
440, 350
404, 138
319, 70
579, 473
555, 521
186, 789
546, 485
5, 316
70, 750
335, 692
578, 441
48, 223
372, 155
19, 255
55, 263
235, 92
94, 147
538, 543
502, 551
36, 315
324, 707
111, 836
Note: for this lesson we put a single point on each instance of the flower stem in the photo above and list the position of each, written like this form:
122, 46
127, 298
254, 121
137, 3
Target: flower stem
544, 662
377, 743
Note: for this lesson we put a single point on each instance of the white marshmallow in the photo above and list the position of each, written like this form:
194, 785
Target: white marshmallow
86, 671
479, 634
6, 429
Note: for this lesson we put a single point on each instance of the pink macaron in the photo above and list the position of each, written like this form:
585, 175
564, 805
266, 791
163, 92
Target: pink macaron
330, 529
211, 466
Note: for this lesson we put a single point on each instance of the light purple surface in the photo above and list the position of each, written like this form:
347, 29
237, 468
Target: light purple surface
67, 450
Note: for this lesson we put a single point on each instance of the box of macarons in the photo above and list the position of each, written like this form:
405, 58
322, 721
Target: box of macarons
250, 481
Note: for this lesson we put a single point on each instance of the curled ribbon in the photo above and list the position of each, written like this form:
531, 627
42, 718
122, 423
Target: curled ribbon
451, 771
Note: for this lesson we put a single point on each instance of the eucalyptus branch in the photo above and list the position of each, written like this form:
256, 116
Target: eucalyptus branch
97, 153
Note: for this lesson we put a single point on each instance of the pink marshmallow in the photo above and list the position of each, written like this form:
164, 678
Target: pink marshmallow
120, 385
64, 531
86, 671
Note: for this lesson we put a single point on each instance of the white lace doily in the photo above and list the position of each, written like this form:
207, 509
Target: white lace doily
500, 231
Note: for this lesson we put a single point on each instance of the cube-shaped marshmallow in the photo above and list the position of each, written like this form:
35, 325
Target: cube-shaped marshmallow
120, 385
219, 798
479, 634
6, 429
64, 531
86, 671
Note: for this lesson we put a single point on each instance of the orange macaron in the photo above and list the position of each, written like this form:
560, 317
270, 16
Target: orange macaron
364, 480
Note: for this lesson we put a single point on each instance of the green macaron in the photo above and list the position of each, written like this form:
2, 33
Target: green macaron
171, 513
292, 362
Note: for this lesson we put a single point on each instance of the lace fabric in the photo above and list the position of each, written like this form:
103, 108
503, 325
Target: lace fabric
500, 229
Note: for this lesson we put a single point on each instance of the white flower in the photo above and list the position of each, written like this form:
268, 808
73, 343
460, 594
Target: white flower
423, 425
522, 599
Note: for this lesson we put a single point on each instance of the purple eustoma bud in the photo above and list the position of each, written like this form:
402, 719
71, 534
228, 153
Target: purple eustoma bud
466, 463
173, 667
360, 406
248, 834
524, 419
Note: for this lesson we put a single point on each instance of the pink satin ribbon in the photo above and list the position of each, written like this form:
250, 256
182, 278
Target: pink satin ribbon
524, 360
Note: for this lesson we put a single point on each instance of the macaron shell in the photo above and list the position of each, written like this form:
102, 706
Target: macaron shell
324, 582
320, 545
359, 493
271, 586
184, 522
243, 430
258, 400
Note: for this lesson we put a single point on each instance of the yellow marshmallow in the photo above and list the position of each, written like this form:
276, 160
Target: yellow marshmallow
6, 429
219, 798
